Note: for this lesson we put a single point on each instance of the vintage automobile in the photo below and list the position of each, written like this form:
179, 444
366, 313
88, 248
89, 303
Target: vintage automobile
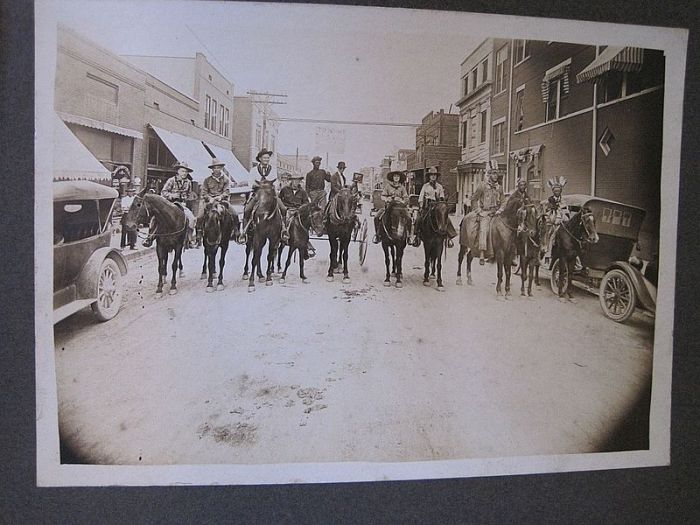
87, 271
605, 268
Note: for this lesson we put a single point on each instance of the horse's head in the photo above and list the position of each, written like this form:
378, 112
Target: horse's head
346, 202
212, 224
527, 219
267, 196
588, 224
399, 219
440, 216
138, 212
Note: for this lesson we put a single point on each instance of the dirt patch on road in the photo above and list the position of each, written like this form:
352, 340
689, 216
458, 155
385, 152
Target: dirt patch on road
349, 294
239, 434
309, 395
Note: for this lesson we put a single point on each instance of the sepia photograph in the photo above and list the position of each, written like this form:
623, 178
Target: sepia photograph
303, 243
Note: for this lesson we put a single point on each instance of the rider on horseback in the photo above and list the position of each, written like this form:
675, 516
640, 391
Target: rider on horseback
431, 192
294, 197
554, 214
487, 201
177, 190
263, 172
338, 182
394, 191
316, 188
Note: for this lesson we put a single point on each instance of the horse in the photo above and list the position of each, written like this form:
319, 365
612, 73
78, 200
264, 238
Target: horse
468, 244
503, 230
433, 233
569, 240
171, 233
339, 224
298, 240
267, 220
249, 248
528, 242
219, 223
394, 235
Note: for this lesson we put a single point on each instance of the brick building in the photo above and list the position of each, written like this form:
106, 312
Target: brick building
255, 127
436, 146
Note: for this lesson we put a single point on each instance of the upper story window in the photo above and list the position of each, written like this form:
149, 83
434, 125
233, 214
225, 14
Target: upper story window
484, 116
207, 110
485, 71
465, 128
521, 51
226, 125
222, 119
465, 85
499, 137
501, 69
214, 110
519, 109
553, 100
474, 74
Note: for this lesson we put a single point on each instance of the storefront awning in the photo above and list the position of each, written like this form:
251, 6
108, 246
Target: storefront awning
96, 124
189, 150
234, 167
71, 159
613, 59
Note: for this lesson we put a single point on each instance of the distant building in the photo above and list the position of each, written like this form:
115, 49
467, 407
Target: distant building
436, 146
254, 127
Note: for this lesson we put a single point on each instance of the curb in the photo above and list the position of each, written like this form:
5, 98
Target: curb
133, 255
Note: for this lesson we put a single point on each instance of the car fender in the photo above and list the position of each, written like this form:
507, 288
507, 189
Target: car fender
87, 280
641, 285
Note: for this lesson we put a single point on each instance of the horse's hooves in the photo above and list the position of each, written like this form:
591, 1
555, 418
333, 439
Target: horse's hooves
282, 280
509, 297
399, 284
573, 300
562, 299
269, 283
159, 295
470, 282
203, 276
251, 289
219, 287
387, 283
459, 281
172, 291
261, 279
330, 278
305, 280
210, 289
182, 274
523, 294
440, 288
530, 296
245, 277
426, 283
346, 280
500, 298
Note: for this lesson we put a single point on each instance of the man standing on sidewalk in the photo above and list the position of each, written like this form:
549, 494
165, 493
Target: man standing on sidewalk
128, 234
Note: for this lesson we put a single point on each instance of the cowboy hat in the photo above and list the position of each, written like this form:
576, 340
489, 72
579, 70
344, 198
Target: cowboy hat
341, 164
316, 158
433, 171
390, 176
183, 164
262, 152
216, 162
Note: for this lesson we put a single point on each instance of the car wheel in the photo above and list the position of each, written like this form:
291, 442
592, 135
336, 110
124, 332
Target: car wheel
554, 277
109, 291
617, 296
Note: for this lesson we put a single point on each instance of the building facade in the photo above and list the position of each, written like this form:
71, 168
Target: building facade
436, 146
255, 127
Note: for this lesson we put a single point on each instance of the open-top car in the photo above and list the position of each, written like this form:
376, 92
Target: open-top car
87, 271
606, 266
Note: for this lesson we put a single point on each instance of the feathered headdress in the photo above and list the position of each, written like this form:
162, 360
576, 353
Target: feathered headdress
519, 180
555, 182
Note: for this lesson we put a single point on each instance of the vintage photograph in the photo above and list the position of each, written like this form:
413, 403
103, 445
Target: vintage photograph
297, 243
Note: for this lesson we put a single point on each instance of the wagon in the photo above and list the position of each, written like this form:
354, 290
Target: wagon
605, 267
86, 270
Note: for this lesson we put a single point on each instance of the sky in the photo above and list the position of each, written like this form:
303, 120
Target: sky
334, 63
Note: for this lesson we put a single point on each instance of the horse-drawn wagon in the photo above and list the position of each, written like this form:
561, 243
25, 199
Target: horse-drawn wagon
605, 267
87, 271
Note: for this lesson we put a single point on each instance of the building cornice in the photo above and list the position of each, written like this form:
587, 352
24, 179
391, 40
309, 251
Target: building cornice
92, 63
480, 90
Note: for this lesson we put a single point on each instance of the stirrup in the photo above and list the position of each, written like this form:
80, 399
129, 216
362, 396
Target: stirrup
375, 239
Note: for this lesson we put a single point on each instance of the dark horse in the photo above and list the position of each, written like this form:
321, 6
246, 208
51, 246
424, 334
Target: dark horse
218, 225
433, 233
528, 245
569, 241
267, 221
339, 226
394, 234
298, 239
503, 231
170, 235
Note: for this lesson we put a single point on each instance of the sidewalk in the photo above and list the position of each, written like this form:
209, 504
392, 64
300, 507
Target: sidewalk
128, 253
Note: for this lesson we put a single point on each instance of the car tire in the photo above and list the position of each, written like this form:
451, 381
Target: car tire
110, 291
554, 277
617, 295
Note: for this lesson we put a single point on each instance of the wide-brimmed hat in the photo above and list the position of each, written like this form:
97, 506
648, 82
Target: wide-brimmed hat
316, 158
183, 164
401, 174
262, 152
216, 162
433, 171
341, 164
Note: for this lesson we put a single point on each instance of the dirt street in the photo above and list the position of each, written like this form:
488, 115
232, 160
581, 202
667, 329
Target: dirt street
331, 372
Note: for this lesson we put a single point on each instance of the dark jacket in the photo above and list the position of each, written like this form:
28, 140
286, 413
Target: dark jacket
293, 199
316, 179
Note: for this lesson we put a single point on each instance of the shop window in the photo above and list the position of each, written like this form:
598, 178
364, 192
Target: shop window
465, 128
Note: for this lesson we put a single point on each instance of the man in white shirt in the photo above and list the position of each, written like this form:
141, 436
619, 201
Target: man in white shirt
128, 234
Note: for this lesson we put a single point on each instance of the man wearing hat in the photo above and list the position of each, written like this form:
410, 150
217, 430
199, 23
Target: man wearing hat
293, 196
177, 190
553, 213
215, 187
394, 191
487, 201
338, 181
262, 172
431, 192
316, 188
128, 234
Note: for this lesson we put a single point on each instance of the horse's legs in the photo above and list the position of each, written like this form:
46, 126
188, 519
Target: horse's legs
426, 273
531, 274
176, 262
255, 265
271, 256
507, 266
387, 277
248, 247
523, 267
222, 262
301, 264
290, 250
571, 264
162, 268
499, 266
204, 265
438, 261
470, 257
392, 249
460, 258
345, 245
333, 256
211, 265
399, 265
279, 256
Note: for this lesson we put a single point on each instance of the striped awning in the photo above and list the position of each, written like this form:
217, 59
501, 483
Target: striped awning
561, 72
613, 59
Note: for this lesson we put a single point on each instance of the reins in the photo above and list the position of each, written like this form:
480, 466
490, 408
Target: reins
148, 214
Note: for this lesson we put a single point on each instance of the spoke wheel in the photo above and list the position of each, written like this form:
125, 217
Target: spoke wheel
554, 277
362, 238
109, 291
617, 296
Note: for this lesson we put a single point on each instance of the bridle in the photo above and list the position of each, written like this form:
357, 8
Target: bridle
582, 218
432, 220
148, 215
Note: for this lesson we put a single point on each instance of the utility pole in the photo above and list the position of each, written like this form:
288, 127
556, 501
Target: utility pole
264, 100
